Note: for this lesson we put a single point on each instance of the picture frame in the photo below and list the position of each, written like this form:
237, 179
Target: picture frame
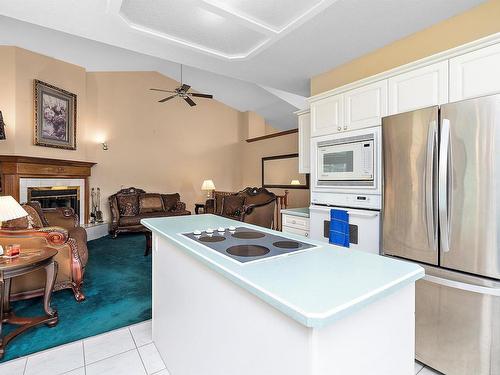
55, 116
278, 171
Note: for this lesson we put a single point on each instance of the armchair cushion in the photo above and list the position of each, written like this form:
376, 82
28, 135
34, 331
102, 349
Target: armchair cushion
232, 205
170, 201
128, 204
150, 202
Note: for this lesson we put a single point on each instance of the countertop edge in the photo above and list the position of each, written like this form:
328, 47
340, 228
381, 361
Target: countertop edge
290, 211
308, 319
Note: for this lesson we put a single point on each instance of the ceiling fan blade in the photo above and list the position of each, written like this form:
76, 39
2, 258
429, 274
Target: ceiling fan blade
165, 99
190, 101
185, 87
208, 96
162, 90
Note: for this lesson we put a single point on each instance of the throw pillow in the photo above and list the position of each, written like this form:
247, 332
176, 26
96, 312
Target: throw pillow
150, 202
128, 205
170, 201
232, 205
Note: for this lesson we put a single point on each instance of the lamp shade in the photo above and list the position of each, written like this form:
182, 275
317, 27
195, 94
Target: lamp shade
10, 209
295, 182
208, 185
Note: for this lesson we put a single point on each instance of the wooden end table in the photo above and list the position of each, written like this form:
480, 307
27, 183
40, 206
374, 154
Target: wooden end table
28, 261
198, 206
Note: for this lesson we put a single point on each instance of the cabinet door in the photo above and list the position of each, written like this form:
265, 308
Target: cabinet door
304, 142
420, 88
327, 115
365, 106
475, 74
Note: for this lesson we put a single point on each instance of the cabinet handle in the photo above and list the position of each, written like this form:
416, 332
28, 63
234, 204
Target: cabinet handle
339, 128
294, 222
345, 127
306, 234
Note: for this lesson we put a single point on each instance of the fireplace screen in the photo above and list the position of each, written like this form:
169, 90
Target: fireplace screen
56, 196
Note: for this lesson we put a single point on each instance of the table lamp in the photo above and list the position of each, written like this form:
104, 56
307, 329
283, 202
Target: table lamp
10, 210
208, 185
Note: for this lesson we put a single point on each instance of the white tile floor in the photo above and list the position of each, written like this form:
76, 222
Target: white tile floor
127, 350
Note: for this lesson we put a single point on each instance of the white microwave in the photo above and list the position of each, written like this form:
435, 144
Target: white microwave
346, 159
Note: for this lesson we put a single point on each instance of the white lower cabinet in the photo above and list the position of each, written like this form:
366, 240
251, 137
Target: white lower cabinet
419, 88
475, 73
295, 224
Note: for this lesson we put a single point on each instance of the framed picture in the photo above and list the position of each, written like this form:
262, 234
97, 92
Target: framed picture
55, 117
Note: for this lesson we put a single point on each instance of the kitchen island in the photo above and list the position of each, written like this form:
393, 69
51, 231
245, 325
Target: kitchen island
326, 310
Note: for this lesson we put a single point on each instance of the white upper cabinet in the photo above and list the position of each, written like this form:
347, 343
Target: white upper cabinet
475, 74
304, 142
365, 106
327, 115
419, 88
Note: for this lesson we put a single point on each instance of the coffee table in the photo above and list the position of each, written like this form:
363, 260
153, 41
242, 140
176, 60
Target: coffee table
28, 261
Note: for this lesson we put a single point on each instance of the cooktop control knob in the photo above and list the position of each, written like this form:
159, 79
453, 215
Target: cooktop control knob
232, 229
197, 232
220, 229
209, 230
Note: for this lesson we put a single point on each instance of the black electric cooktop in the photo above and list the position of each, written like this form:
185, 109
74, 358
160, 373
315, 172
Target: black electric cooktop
247, 245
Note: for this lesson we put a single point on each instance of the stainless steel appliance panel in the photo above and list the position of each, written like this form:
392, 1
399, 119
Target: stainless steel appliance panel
469, 186
409, 208
457, 324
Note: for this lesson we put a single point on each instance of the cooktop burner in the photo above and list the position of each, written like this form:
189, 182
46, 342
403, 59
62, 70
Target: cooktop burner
248, 250
287, 244
211, 238
248, 235
245, 245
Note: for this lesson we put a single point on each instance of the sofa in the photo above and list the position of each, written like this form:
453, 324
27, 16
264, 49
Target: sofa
130, 205
54, 227
252, 205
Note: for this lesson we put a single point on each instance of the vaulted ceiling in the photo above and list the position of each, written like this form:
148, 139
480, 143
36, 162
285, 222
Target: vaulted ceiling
253, 55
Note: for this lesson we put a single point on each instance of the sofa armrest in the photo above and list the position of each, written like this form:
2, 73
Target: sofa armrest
64, 217
54, 236
209, 206
115, 212
179, 206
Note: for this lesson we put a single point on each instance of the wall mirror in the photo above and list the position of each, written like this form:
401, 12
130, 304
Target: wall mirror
282, 171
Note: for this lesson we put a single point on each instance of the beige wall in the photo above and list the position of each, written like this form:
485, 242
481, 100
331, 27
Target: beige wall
160, 147
253, 153
478, 22
7, 97
18, 92
168, 147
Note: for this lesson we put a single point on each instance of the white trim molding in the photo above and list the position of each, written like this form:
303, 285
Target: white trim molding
438, 57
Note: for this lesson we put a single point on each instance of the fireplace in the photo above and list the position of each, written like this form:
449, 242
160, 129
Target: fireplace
56, 196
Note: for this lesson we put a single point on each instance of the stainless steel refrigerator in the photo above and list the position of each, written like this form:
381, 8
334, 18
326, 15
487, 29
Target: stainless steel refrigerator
441, 208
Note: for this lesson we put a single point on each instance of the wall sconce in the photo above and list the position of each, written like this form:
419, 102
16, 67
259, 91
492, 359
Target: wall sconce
105, 146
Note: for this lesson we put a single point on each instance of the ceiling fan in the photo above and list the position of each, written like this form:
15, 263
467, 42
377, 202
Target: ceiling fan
182, 92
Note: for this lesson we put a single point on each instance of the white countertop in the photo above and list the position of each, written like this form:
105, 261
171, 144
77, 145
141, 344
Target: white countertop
301, 211
314, 287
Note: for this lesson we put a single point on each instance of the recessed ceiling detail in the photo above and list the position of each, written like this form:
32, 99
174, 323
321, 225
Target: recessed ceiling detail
230, 29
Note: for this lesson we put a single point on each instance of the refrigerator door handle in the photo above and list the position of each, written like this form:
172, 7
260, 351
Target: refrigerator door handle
463, 286
430, 189
443, 185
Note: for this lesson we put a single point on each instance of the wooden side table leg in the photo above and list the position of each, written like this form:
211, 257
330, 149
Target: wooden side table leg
3, 296
51, 273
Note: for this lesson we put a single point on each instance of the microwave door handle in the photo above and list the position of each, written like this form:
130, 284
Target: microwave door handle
431, 213
443, 185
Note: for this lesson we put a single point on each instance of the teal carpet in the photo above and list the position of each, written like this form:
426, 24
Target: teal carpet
118, 290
